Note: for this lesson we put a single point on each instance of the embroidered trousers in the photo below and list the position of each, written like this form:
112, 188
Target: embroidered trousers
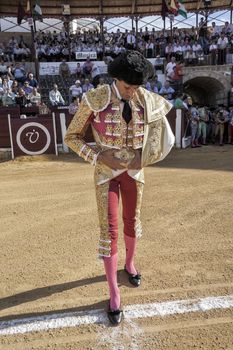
108, 196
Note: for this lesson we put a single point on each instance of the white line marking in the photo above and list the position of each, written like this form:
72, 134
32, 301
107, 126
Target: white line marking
75, 319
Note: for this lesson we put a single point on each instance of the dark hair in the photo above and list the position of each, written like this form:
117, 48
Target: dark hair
131, 67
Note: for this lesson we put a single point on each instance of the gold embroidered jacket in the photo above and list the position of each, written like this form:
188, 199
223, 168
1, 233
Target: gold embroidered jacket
148, 130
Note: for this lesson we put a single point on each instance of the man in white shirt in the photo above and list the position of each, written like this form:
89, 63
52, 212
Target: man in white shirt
170, 67
76, 89
222, 48
55, 97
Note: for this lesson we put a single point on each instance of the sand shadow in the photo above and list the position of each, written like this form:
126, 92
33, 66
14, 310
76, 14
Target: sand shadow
39, 293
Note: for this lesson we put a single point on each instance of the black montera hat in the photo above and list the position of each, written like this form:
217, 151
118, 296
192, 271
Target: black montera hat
131, 67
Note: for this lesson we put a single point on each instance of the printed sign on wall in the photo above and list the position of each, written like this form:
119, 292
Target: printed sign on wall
32, 136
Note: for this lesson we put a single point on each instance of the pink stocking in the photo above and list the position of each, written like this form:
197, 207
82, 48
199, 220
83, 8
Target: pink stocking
130, 244
110, 265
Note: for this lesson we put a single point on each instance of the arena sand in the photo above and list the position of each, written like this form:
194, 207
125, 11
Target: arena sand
48, 259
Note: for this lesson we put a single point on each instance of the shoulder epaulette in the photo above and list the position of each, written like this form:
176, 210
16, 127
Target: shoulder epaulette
156, 105
98, 99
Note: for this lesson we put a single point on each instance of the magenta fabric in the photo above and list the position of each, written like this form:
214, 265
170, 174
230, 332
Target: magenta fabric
110, 265
125, 186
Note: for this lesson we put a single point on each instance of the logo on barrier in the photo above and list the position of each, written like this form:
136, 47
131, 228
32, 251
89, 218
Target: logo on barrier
34, 134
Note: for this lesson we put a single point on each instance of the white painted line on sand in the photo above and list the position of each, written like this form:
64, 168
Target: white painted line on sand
75, 319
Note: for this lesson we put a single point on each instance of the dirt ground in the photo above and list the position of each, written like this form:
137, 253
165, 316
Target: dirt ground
48, 259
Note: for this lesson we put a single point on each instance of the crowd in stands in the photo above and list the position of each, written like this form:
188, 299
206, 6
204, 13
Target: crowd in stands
190, 45
19, 87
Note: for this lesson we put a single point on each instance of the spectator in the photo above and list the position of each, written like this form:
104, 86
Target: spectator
15, 87
169, 70
31, 80
179, 102
87, 68
27, 88
55, 97
157, 85
203, 35
76, 90
64, 69
3, 68
35, 97
78, 71
221, 119
202, 125
178, 77
10, 72
73, 107
6, 84
167, 91
190, 57
148, 86
8, 98
222, 48
87, 85
95, 75
230, 126
21, 98
194, 120
213, 49
19, 73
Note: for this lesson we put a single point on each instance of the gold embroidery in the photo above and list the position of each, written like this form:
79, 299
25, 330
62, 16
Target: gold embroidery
76, 132
138, 225
102, 205
154, 139
98, 99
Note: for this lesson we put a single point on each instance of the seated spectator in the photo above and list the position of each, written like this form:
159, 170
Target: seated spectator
177, 49
197, 48
10, 72
55, 97
21, 98
6, 83
3, 68
167, 91
169, 51
31, 80
190, 57
27, 88
35, 97
73, 107
15, 87
8, 98
76, 90
159, 63
87, 85
19, 73
156, 84
64, 69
